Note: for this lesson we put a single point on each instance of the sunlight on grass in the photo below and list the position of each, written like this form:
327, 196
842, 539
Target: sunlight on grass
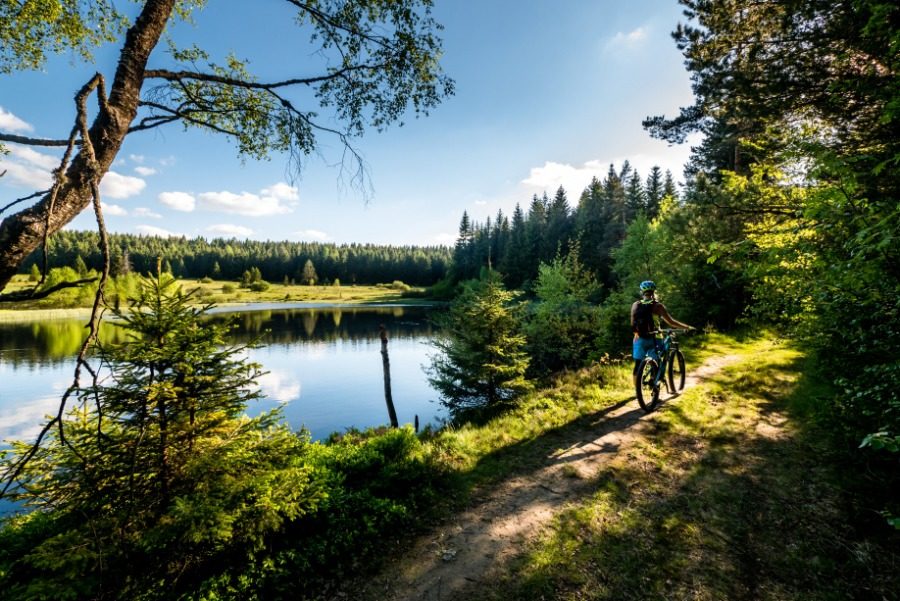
723, 499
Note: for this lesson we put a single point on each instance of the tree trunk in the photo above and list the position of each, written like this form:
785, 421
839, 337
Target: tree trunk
386, 363
22, 233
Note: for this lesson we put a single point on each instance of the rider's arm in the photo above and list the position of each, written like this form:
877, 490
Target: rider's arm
664, 313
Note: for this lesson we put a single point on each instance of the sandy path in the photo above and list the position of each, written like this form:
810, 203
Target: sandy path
471, 545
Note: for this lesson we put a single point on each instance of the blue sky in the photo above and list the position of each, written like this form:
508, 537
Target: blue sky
548, 93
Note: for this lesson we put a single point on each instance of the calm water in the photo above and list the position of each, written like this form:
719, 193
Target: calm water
324, 366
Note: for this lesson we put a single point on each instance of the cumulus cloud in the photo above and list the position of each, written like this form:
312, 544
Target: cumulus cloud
11, 123
245, 203
314, 234
179, 201
30, 156
116, 185
137, 158
445, 238
227, 229
152, 230
27, 167
114, 210
574, 179
29, 177
623, 40
145, 171
281, 191
145, 212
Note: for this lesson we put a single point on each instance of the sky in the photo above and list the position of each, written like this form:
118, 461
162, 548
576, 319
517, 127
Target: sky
548, 94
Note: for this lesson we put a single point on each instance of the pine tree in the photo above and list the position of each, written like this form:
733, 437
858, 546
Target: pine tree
654, 192
161, 480
634, 197
559, 227
463, 252
481, 361
669, 188
35, 274
309, 276
80, 266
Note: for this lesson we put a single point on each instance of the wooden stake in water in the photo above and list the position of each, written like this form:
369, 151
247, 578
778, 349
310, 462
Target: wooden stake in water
386, 362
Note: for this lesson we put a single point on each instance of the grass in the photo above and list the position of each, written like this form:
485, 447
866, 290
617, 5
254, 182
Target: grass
219, 293
728, 498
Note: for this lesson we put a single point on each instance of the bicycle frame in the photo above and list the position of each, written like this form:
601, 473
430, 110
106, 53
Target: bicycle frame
668, 361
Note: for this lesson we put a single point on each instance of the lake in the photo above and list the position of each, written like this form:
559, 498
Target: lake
323, 364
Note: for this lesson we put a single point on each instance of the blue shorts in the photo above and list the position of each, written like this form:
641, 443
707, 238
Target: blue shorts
645, 347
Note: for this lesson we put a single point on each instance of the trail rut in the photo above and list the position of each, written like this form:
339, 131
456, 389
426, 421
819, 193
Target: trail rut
470, 546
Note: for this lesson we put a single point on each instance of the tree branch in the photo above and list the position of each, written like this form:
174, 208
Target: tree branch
240, 83
23, 199
31, 141
24, 295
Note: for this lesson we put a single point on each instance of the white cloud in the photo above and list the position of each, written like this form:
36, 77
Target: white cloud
445, 238
114, 210
38, 159
30, 177
137, 158
115, 185
574, 179
480, 203
27, 167
152, 230
226, 229
245, 203
314, 234
145, 171
279, 386
145, 212
628, 40
281, 191
9, 122
167, 161
179, 201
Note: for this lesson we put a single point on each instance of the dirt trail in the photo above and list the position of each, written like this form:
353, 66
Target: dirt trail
470, 546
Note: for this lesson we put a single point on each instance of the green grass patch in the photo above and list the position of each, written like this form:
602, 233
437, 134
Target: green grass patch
727, 499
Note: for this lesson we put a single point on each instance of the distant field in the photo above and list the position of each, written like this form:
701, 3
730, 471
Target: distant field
220, 293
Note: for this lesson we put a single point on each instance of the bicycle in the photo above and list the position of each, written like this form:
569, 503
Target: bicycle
668, 370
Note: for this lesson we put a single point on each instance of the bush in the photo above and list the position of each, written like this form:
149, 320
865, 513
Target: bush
228, 288
259, 286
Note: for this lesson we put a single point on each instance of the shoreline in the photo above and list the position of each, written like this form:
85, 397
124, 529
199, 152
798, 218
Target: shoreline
26, 315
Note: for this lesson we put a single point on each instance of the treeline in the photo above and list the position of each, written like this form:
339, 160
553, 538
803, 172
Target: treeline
517, 245
229, 259
788, 217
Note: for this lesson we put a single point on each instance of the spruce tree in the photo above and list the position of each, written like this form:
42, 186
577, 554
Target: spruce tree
653, 192
156, 480
481, 360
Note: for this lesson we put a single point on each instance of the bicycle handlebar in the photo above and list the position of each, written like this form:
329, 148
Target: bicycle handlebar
669, 330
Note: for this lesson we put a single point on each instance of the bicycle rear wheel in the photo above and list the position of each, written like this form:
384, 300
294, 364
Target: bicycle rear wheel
646, 386
676, 372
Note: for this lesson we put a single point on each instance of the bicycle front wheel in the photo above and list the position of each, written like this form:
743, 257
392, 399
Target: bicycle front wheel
647, 386
676, 372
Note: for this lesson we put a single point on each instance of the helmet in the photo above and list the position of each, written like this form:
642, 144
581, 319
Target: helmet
647, 286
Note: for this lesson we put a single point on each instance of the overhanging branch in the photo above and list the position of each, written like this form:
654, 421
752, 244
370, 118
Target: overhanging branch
31, 141
26, 295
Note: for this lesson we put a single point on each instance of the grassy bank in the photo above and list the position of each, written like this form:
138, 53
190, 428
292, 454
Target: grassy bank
222, 293
733, 495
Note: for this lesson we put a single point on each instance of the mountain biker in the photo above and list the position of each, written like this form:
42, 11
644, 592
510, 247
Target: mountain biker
645, 320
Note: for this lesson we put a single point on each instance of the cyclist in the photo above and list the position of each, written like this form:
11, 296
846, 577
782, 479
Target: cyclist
645, 318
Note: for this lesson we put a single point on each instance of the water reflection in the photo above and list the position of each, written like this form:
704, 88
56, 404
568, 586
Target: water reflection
323, 365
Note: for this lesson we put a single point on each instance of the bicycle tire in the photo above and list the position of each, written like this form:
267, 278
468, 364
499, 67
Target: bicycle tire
646, 387
676, 372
